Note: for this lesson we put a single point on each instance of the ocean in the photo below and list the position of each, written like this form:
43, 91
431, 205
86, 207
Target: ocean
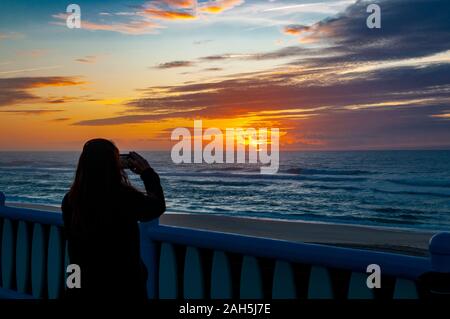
404, 189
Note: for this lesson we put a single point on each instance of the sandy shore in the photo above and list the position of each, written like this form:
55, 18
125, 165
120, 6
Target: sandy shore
367, 237
379, 238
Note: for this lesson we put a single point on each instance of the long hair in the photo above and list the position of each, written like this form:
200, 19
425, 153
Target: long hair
98, 177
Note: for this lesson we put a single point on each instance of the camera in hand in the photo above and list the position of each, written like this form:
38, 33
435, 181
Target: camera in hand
125, 161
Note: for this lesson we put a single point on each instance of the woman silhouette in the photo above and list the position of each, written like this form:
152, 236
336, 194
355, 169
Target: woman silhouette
101, 213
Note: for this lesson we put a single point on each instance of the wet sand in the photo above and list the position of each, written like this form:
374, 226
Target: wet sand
367, 237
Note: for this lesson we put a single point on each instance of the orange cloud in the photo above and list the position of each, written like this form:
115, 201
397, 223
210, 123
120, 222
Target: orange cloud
219, 6
181, 3
55, 81
17, 90
169, 15
295, 29
31, 112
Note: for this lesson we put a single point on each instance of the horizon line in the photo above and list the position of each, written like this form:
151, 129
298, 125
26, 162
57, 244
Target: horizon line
444, 148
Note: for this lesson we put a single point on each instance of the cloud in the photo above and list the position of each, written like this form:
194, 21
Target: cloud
61, 100
181, 3
17, 90
30, 112
296, 29
169, 15
358, 89
127, 119
294, 89
409, 29
213, 69
298, 88
61, 119
292, 51
218, 6
133, 27
87, 59
142, 20
445, 116
175, 64
396, 128
30, 69
287, 52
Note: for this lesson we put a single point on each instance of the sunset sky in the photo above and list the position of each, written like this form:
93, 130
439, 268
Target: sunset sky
138, 69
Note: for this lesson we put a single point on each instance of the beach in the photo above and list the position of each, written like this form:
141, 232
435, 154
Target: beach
411, 242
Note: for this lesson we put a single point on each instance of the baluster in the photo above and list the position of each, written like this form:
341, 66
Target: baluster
8, 254
168, 277
405, 289
283, 281
193, 281
55, 263
319, 286
358, 287
38, 261
23, 257
221, 280
251, 280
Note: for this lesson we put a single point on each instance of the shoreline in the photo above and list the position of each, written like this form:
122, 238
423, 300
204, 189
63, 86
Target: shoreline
398, 240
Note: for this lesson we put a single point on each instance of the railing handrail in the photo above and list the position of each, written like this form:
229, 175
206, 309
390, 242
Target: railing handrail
353, 259
32, 215
357, 260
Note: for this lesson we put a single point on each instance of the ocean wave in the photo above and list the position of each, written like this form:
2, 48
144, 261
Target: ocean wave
421, 183
399, 211
258, 176
327, 187
313, 171
221, 183
413, 193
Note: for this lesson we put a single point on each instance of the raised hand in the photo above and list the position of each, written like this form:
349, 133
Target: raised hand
138, 164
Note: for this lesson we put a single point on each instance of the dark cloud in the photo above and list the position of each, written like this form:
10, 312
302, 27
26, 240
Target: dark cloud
282, 91
286, 52
217, 57
277, 91
175, 64
90, 59
129, 119
213, 69
30, 112
61, 119
409, 29
16, 90
398, 128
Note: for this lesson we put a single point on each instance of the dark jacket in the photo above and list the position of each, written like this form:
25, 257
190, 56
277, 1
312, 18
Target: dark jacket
106, 244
